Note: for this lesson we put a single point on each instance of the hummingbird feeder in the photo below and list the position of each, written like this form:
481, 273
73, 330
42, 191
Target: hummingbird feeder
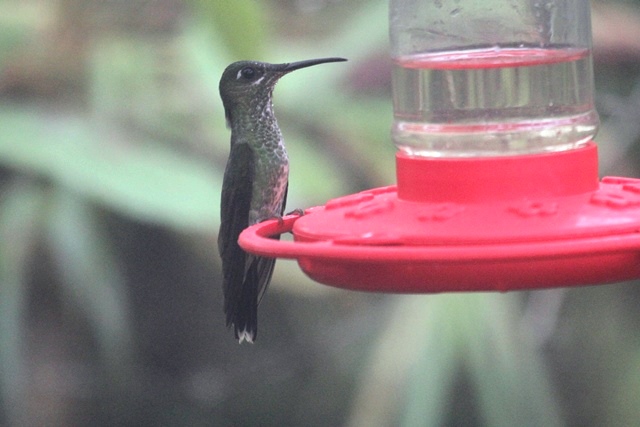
497, 175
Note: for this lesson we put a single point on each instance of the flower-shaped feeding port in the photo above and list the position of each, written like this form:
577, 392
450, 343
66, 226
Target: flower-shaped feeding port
497, 177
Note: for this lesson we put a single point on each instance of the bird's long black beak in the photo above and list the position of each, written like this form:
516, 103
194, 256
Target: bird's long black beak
308, 63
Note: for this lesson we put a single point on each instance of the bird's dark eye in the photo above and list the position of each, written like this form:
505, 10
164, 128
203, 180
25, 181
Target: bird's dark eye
248, 73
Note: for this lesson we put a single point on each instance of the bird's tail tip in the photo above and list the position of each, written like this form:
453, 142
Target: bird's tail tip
245, 335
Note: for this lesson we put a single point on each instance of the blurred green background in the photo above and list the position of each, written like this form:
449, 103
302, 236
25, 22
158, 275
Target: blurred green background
112, 148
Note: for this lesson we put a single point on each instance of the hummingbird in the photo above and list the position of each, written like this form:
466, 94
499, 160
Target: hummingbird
255, 183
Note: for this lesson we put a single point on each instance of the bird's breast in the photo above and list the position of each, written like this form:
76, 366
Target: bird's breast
271, 177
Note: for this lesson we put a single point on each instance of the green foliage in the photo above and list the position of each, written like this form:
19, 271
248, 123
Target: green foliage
238, 27
144, 180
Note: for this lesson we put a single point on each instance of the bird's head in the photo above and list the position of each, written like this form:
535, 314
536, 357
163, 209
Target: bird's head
244, 83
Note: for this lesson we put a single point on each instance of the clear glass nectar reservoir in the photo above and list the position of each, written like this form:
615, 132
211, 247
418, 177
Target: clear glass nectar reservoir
504, 77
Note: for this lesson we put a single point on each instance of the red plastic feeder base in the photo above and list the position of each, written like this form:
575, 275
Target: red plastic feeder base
470, 224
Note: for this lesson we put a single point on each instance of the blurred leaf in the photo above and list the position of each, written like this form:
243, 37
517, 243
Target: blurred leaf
410, 342
431, 378
145, 180
93, 279
21, 208
512, 385
239, 24
313, 178
427, 345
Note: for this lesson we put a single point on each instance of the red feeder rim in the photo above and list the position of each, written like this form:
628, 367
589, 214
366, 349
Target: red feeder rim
470, 224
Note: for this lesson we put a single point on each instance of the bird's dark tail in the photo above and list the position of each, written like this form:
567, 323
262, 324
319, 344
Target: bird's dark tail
243, 315
242, 309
